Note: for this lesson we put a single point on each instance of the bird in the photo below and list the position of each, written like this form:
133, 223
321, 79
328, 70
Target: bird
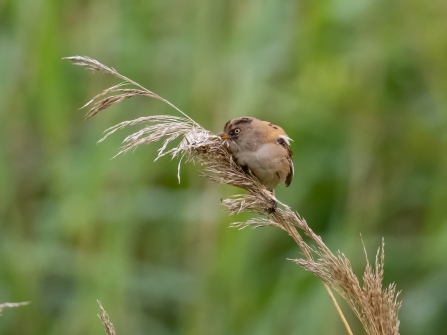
262, 148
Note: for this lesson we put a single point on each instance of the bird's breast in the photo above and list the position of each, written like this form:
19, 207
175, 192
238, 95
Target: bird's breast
268, 163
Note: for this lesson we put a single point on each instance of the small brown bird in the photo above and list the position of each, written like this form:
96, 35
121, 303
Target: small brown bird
261, 147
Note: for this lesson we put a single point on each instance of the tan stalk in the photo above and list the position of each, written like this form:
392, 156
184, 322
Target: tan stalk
376, 307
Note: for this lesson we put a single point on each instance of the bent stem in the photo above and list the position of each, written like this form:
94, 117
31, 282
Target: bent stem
307, 252
374, 305
340, 313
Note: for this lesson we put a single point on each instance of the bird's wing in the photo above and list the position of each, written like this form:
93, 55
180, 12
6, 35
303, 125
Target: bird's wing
284, 141
289, 177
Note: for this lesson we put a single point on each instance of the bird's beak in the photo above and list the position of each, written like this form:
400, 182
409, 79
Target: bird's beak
223, 135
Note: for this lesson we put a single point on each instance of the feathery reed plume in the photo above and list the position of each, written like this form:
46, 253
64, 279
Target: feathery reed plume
12, 305
104, 317
375, 306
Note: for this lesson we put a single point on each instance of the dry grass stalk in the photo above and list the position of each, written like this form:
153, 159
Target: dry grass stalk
104, 317
12, 305
375, 306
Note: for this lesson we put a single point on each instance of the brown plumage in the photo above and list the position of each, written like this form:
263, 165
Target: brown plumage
261, 147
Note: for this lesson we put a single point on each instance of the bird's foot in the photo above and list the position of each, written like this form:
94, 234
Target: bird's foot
273, 205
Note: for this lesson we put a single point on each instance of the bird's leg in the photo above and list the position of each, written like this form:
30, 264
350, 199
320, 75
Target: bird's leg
246, 170
273, 203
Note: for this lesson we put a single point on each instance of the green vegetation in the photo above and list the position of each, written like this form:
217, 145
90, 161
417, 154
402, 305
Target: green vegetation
360, 86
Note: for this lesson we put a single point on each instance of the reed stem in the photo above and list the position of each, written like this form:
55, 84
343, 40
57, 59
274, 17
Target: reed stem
340, 313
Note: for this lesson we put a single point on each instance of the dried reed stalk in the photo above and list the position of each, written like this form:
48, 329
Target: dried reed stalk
376, 307
12, 305
104, 317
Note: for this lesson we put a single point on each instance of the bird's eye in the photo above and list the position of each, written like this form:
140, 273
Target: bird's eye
237, 131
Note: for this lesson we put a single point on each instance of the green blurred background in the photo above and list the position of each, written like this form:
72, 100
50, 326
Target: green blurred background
361, 87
